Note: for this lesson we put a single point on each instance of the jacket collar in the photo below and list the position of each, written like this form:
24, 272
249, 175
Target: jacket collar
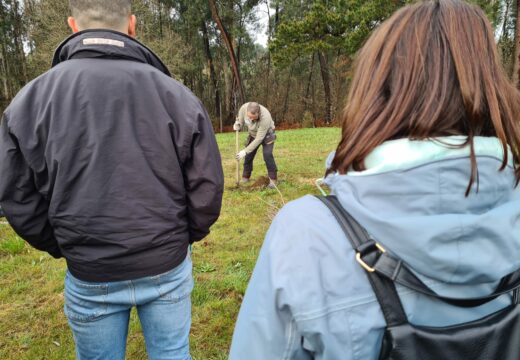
411, 198
405, 154
107, 44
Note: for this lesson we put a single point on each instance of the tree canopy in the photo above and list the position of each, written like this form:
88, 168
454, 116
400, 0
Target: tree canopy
212, 47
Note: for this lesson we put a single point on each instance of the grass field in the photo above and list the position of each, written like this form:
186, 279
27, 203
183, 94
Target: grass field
32, 323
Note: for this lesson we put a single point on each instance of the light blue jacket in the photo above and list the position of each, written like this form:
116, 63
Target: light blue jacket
308, 295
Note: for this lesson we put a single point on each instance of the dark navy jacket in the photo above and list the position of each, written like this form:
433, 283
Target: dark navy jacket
109, 162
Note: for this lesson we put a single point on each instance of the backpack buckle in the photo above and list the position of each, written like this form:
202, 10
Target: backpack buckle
375, 246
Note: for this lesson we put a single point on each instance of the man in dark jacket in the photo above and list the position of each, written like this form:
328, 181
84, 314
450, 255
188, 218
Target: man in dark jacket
110, 163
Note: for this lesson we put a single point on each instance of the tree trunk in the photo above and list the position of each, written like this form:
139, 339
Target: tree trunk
275, 84
220, 118
18, 41
506, 17
268, 75
286, 99
159, 5
228, 92
325, 76
212, 74
276, 16
307, 91
4, 70
238, 46
516, 63
3, 75
229, 45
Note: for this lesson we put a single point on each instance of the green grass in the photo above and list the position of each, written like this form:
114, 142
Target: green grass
32, 322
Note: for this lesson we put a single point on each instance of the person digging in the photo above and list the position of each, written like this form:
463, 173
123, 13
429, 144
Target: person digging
260, 126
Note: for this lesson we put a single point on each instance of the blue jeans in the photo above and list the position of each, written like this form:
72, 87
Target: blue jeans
98, 314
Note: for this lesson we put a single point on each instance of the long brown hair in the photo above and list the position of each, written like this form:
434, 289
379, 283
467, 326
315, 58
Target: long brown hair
430, 70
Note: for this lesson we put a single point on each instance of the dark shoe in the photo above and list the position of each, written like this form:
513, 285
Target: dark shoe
1, 212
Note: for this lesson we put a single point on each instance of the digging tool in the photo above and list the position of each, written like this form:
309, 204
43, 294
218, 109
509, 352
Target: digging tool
238, 161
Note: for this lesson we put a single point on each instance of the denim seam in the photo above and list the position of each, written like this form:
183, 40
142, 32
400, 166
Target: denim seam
86, 285
178, 299
132, 292
175, 299
70, 313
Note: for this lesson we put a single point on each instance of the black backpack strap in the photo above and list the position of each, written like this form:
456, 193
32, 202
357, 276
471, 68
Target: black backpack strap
397, 271
374, 258
383, 287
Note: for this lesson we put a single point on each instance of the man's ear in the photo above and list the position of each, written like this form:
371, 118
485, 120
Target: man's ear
73, 24
132, 23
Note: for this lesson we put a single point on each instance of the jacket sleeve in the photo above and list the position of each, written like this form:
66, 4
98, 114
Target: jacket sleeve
25, 208
265, 328
204, 178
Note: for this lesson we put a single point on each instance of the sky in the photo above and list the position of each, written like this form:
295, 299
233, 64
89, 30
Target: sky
260, 35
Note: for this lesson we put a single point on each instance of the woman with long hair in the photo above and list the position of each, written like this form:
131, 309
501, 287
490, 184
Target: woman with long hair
428, 164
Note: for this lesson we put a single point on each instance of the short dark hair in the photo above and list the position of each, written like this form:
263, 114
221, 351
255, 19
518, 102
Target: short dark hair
100, 13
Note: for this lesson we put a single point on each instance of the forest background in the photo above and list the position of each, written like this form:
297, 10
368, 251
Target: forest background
301, 74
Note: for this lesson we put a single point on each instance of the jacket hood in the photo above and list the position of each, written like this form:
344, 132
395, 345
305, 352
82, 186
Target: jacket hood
106, 44
412, 200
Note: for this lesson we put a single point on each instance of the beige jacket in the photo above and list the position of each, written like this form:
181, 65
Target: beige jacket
257, 129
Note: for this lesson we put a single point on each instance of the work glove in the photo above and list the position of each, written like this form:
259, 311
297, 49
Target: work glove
242, 154
236, 126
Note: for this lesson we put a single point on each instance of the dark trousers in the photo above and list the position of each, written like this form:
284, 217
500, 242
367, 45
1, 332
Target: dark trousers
267, 150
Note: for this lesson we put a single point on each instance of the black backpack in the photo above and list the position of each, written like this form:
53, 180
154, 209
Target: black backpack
494, 337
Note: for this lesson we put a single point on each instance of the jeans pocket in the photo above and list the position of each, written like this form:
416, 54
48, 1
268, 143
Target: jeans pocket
176, 284
84, 301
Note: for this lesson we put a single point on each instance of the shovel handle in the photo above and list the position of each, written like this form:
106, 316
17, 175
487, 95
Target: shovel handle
238, 161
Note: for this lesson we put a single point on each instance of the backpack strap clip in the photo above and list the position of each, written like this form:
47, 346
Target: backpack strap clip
368, 248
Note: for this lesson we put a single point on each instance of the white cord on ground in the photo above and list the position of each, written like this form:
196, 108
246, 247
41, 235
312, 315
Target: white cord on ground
318, 183
279, 192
